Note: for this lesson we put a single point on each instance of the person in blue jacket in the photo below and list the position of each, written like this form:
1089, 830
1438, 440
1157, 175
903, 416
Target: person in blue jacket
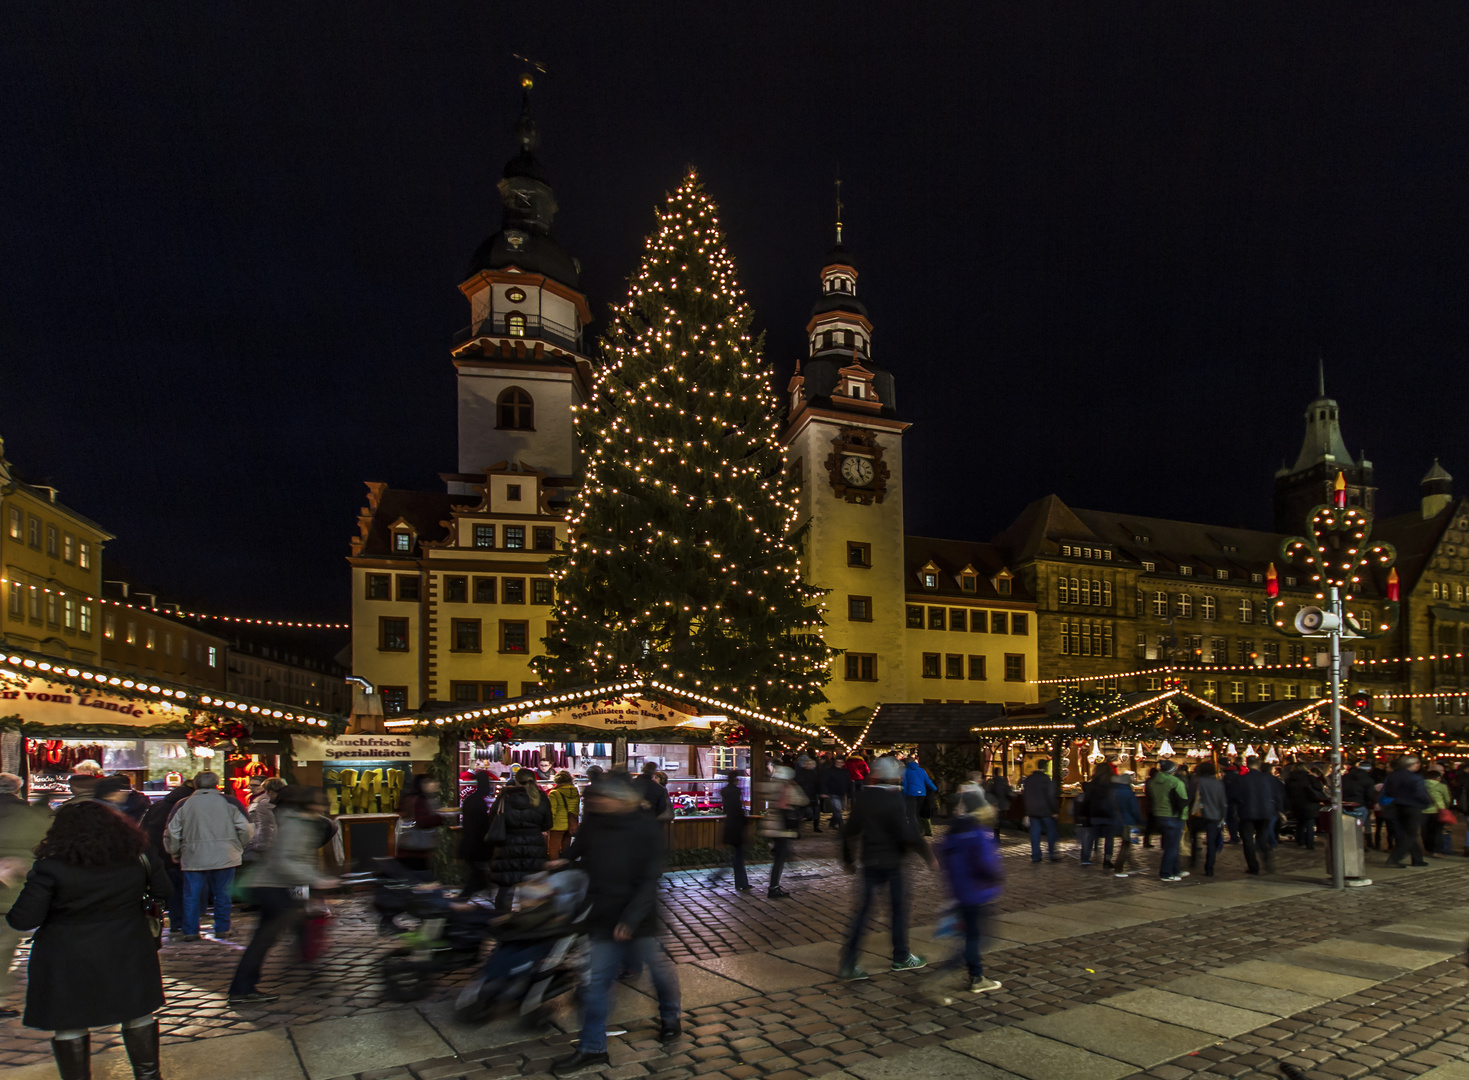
917, 788
971, 861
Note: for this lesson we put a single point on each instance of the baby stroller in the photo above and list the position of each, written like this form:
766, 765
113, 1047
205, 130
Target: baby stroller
432, 934
540, 951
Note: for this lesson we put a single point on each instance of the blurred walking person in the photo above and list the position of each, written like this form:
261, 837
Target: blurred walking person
621, 850
21, 828
971, 861
527, 813
1207, 811
264, 793
290, 863
565, 814
474, 844
785, 803
736, 822
880, 820
94, 960
419, 823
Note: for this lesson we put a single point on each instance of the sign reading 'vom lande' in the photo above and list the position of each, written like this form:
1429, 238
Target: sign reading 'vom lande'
42, 702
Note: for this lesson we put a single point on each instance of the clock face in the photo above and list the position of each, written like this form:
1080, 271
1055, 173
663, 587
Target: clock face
857, 471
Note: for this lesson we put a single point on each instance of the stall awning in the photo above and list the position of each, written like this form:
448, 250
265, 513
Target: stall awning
54, 698
911, 723
646, 707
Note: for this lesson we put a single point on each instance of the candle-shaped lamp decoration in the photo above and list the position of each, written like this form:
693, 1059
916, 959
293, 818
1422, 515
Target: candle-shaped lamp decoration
1392, 584
1339, 491
1272, 582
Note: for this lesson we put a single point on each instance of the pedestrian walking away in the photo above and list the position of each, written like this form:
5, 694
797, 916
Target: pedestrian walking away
918, 792
1261, 802
474, 842
207, 834
1404, 798
806, 780
1438, 814
1126, 816
998, 789
21, 828
527, 817
419, 823
621, 850
1041, 806
880, 821
1169, 798
1305, 795
290, 864
1096, 809
835, 783
736, 823
785, 804
1207, 811
94, 960
971, 861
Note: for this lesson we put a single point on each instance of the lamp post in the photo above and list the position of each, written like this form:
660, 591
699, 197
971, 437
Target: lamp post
1336, 554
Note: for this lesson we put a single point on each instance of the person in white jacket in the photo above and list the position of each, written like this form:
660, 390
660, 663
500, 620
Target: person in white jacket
207, 834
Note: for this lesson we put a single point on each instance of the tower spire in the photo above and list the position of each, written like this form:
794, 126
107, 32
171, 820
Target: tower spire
1320, 375
839, 208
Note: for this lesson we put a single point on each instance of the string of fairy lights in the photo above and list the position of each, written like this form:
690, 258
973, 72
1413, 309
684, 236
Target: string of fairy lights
172, 610
1304, 665
682, 424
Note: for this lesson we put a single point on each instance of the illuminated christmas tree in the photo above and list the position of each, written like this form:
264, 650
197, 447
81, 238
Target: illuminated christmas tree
681, 566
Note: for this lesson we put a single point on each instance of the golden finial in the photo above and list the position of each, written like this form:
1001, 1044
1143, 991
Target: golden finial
839, 210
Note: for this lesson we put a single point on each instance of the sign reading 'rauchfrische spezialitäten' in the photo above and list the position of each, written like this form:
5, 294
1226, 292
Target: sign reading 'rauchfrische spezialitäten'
364, 748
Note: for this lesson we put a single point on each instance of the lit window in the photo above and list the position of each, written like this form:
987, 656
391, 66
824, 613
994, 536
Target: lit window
69, 614
150, 640
1246, 611
936, 618
484, 536
402, 542
1236, 692
915, 617
53, 609
1160, 605
85, 620
84, 555
514, 537
930, 665
1107, 555
1149, 567
1186, 571
515, 324
17, 600
541, 592
861, 667
1267, 692
930, 581
68, 547
1257, 578
1207, 608
1211, 689
33, 531
1066, 549
1292, 692
1222, 575
17, 524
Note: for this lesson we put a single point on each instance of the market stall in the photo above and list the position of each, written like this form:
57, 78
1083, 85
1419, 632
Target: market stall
691, 737
54, 715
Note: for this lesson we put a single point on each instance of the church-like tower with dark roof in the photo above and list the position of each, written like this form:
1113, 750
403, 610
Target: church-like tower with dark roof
1307, 484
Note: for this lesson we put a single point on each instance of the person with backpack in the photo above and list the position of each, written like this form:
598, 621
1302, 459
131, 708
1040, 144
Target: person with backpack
971, 861
1169, 797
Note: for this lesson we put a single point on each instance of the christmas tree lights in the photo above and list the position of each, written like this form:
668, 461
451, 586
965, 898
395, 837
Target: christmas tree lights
680, 565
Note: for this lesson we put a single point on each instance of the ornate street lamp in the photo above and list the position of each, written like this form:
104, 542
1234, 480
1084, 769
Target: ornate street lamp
1337, 554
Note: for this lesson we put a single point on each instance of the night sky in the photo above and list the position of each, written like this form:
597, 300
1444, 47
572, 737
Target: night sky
1102, 244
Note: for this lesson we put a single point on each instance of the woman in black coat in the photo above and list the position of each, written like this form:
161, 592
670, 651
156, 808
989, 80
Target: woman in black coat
93, 959
474, 823
527, 813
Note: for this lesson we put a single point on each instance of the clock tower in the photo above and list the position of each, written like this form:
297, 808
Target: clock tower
844, 449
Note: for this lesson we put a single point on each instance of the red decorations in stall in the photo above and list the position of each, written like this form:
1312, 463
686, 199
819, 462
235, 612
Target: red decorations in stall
53, 757
733, 733
212, 733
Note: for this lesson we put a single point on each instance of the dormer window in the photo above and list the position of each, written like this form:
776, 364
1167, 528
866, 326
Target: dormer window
930, 580
1186, 571
1002, 586
969, 582
854, 390
402, 541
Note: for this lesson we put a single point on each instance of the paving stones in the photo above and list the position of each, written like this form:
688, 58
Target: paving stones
1191, 1012
764, 972
1243, 995
1037, 1058
929, 1063
1291, 977
355, 1044
1141, 1040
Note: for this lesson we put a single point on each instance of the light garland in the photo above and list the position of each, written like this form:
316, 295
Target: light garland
175, 612
30, 667
1185, 669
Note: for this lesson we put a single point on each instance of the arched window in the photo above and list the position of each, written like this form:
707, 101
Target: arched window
515, 324
517, 412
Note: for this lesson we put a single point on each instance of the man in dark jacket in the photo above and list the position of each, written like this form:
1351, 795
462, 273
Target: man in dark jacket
835, 783
154, 823
654, 794
21, 829
1041, 806
1261, 800
806, 781
880, 820
1357, 789
998, 788
1231, 780
621, 850
1404, 797
732, 801
1306, 795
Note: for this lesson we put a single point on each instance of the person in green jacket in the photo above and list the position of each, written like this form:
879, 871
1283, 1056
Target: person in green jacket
1439, 800
22, 827
1170, 803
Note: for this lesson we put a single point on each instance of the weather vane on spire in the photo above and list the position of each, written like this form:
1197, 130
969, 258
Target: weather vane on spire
527, 80
839, 208
525, 128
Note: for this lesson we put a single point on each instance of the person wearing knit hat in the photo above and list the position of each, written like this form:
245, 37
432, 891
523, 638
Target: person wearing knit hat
971, 861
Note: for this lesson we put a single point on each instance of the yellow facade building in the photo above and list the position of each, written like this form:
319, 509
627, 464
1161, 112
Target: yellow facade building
52, 562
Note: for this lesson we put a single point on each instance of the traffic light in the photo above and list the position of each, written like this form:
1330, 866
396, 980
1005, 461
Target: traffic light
1360, 703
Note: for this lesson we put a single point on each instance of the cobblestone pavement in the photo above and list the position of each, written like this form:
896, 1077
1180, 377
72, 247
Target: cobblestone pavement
1399, 1026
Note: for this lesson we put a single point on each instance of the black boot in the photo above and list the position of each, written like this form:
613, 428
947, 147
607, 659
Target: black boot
142, 1048
73, 1057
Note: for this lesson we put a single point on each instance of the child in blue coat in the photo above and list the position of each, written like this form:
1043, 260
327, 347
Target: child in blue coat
971, 861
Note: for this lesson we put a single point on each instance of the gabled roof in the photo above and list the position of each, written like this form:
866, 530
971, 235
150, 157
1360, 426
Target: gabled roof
952, 556
1039, 527
1416, 539
426, 511
903, 723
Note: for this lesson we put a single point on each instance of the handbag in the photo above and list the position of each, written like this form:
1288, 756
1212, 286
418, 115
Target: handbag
497, 833
1446, 816
153, 909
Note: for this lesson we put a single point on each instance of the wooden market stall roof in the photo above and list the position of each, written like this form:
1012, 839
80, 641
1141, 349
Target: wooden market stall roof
911, 723
42, 694
558, 710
